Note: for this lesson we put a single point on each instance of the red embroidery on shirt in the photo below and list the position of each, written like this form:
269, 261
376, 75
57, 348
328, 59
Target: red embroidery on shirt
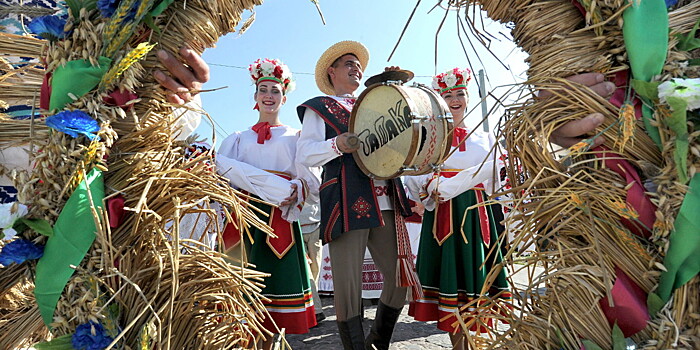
381, 190
335, 147
338, 112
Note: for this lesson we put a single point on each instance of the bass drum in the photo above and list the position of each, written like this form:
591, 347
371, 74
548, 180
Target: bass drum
403, 130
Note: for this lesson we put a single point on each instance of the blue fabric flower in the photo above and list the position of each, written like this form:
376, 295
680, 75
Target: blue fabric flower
19, 251
670, 3
108, 7
90, 336
74, 123
48, 27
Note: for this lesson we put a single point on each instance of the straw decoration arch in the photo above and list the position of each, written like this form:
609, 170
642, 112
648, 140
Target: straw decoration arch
611, 230
127, 214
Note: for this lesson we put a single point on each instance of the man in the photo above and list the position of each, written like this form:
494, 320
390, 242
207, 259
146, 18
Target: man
356, 211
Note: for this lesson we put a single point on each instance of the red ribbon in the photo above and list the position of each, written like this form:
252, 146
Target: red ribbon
263, 131
636, 198
120, 98
115, 210
45, 92
630, 305
459, 134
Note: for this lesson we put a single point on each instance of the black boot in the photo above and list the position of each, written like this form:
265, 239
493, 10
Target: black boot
352, 334
383, 327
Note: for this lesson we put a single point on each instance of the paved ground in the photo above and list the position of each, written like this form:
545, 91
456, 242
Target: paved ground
408, 334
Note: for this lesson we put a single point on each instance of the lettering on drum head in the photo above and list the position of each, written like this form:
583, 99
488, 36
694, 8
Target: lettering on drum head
386, 128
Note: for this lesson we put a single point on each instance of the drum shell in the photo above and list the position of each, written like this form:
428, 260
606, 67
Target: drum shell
403, 130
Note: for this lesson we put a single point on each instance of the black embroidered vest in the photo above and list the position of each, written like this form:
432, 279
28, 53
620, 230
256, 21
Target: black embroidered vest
348, 198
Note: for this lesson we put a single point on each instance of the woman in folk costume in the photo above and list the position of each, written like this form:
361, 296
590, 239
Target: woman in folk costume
454, 255
261, 161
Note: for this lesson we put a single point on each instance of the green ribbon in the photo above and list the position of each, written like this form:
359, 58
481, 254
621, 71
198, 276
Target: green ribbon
645, 31
682, 260
74, 233
158, 9
77, 78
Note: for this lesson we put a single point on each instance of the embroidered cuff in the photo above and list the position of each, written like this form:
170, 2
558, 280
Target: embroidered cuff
335, 147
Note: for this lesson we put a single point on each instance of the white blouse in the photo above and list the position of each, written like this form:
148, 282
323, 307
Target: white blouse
477, 164
250, 166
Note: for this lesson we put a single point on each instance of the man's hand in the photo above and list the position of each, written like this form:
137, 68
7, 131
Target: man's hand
183, 81
346, 145
575, 131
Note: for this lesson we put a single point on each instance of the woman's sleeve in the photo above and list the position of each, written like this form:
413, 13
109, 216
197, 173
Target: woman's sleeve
493, 183
269, 187
463, 181
416, 186
308, 180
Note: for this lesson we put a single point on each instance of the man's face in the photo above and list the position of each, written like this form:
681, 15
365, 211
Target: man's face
346, 74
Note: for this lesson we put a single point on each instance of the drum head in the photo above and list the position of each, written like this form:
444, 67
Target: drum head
382, 120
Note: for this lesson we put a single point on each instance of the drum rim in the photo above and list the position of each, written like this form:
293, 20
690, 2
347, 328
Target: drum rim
450, 122
413, 149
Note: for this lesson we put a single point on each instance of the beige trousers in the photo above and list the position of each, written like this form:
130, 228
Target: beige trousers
347, 255
313, 250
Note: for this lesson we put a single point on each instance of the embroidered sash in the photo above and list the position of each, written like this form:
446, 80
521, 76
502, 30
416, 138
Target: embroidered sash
443, 225
282, 228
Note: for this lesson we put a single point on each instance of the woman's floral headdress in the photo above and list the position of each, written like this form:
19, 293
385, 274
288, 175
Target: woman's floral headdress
274, 70
454, 79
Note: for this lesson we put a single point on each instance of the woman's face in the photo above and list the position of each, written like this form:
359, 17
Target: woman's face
457, 101
269, 96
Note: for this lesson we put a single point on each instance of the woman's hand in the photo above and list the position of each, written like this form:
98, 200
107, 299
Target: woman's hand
184, 81
292, 199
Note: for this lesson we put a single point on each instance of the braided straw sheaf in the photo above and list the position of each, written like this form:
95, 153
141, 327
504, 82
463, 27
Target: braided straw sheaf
568, 208
160, 290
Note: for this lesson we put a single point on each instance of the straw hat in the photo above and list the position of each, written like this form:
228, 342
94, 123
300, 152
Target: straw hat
333, 53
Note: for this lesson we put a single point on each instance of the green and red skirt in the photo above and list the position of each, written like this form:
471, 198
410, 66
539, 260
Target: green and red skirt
453, 273
290, 303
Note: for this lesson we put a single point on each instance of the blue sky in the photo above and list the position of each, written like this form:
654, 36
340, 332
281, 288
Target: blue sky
292, 31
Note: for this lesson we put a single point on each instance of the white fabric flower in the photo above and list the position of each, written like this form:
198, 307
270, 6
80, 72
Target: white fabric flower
685, 89
267, 68
450, 80
9, 213
436, 85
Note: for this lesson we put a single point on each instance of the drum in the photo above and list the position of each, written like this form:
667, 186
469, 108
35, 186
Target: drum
402, 130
